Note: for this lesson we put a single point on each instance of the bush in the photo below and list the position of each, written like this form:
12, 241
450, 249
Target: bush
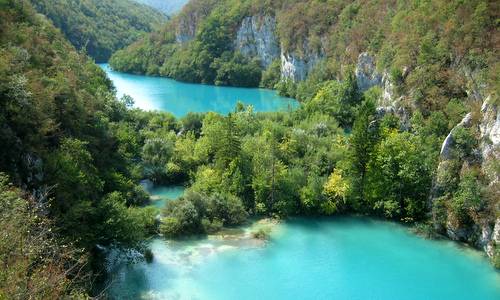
170, 227
211, 226
425, 229
197, 213
237, 71
465, 141
182, 217
272, 75
226, 207
496, 257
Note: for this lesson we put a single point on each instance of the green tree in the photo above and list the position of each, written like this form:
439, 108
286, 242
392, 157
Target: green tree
362, 143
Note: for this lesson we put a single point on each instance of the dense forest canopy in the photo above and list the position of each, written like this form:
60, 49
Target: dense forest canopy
100, 27
73, 154
61, 143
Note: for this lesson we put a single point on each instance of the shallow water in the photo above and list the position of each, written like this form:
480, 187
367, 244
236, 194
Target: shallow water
179, 98
160, 195
336, 258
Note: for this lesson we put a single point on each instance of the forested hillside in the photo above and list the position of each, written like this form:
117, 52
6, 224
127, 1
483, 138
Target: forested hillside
168, 7
215, 41
100, 27
68, 182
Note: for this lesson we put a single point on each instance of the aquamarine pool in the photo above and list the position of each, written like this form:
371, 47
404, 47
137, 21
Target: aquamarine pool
335, 258
179, 98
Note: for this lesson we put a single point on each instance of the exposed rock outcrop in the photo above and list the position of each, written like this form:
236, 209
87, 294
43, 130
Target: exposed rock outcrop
256, 37
189, 19
297, 67
367, 77
490, 130
366, 73
484, 232
448, 144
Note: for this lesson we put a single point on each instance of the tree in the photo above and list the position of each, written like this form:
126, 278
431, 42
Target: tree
336, 189
269, 174
156, 153
398, 180
338, 99
362, 144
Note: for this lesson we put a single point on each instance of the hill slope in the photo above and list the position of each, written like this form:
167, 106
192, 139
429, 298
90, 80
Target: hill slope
65, 185
100, 26
210, 40
168, 7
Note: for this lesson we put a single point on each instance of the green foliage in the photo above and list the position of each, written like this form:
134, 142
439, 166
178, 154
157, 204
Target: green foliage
496, 257
465, 141
362, 144
236, 71
286, 87
66, 138
155, 154
398, 180
100, 27
467, 200
338, 99
272, 75
34, 262
63, 128
197, 213
336, 189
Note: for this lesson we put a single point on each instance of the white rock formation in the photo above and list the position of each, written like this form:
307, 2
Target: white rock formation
256, 38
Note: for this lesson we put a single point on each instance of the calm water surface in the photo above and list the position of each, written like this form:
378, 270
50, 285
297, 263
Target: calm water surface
161, 194
337, 258
157, 93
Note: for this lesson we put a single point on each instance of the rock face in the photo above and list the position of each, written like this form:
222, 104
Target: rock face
490, 238
490, 130
296, 67
367, 77
483, 233
366, 73
256, 38
448, 143
490, 152
189, 19
185, 31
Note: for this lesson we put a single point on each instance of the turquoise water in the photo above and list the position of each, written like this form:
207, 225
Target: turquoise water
157, 93
337, 258
161, 194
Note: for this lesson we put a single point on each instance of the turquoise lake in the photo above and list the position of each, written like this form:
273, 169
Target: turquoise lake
322, 258
179, 98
